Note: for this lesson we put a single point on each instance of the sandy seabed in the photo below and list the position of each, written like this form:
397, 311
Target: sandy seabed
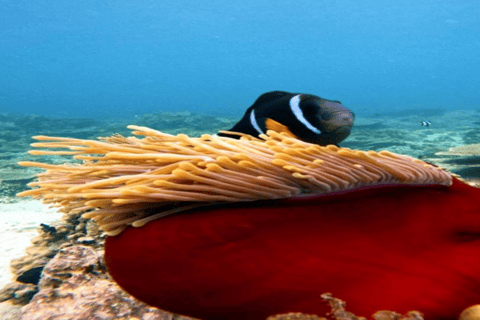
19, 222
18, 225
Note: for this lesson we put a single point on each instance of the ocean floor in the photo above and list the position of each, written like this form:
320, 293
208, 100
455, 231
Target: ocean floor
399, 132
19, 222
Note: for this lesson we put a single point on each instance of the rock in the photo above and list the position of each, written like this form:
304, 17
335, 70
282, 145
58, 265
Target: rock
93, 230
9, 311
30, 275
17, 293
390, 315
295, 316
86, 240
48, 229
61, 234
74, 285
24, 295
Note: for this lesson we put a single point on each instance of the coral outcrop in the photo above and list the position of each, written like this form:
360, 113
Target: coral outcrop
74, 285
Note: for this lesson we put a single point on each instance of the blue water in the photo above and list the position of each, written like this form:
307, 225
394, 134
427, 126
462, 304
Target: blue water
104, 59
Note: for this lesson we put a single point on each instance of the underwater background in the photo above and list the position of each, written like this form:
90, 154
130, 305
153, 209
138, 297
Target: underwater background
87, 69
118, 59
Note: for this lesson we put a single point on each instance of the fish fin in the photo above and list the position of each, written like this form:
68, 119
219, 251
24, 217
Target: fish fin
269, 97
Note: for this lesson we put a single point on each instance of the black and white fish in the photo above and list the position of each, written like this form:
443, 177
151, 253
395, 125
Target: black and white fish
426, 123
307, 117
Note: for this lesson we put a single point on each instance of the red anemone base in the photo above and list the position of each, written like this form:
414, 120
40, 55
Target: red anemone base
394, 248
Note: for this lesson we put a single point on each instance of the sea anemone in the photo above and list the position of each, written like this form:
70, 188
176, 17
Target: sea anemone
174, 173
254, 227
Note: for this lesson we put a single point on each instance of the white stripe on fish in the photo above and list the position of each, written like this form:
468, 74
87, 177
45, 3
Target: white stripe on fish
295, 107
254, 123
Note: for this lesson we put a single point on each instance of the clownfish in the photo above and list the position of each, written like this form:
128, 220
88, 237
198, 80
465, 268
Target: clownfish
305, 116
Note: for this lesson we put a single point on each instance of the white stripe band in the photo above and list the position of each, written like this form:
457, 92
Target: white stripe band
254, 123
295, 106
